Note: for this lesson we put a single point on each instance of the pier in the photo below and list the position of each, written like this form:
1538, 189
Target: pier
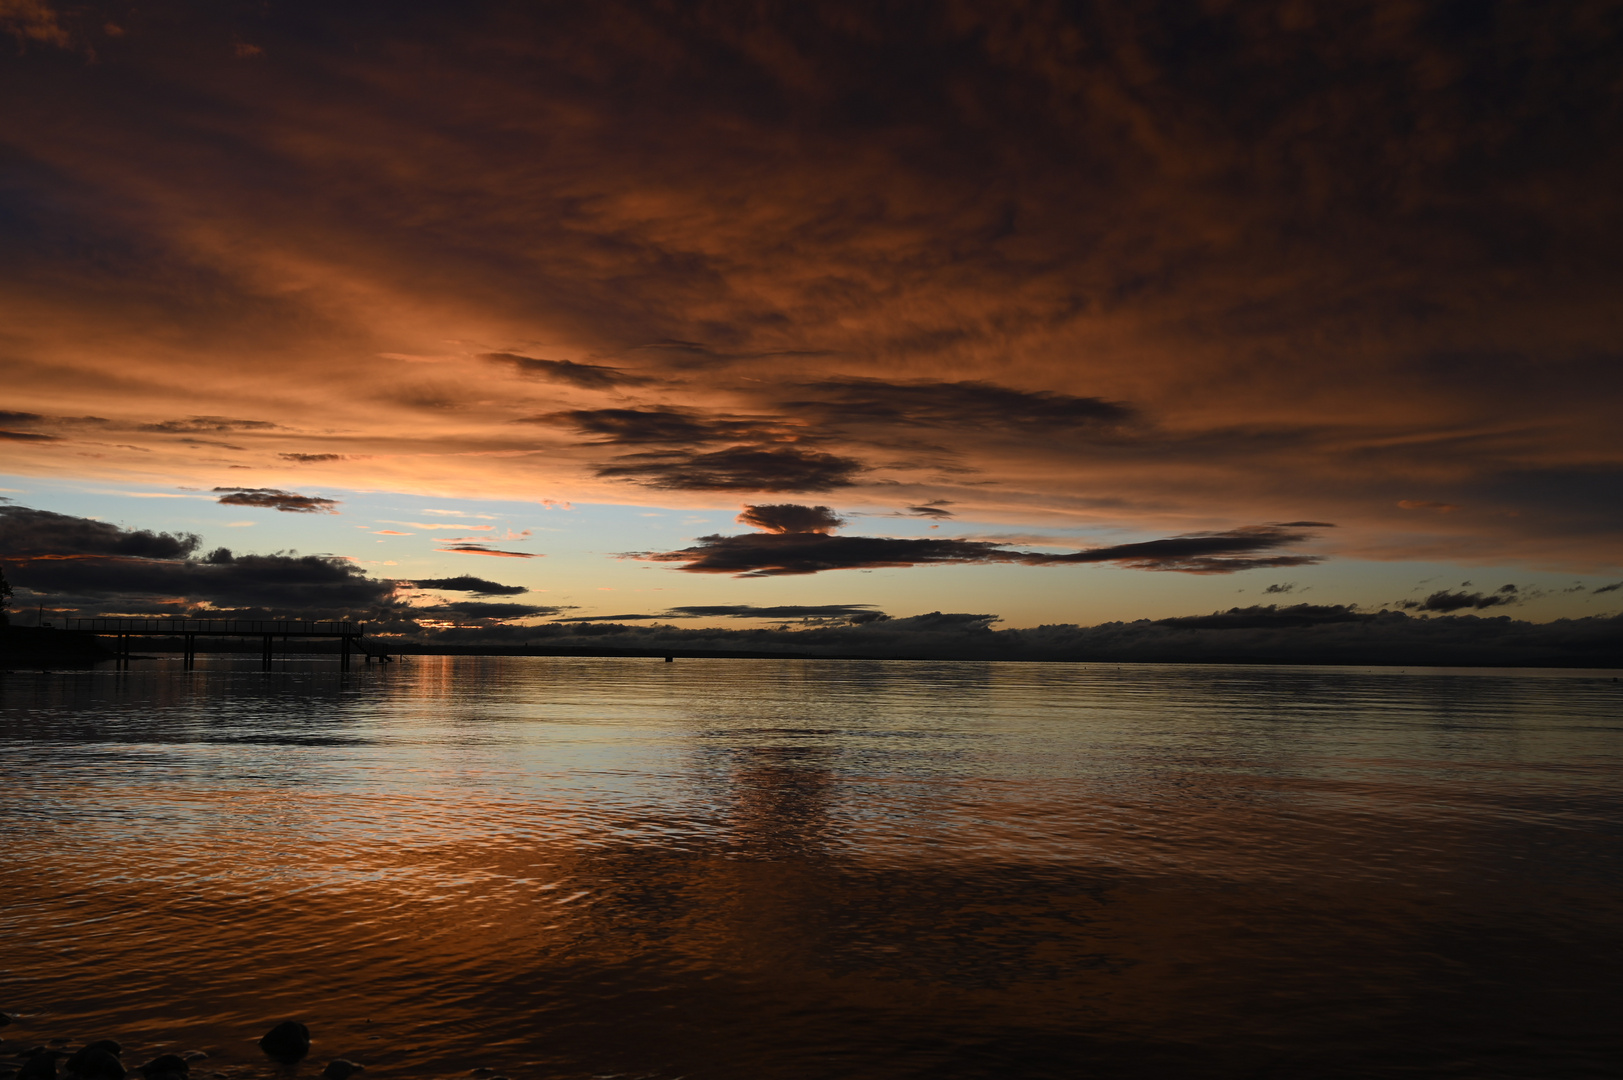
124, 631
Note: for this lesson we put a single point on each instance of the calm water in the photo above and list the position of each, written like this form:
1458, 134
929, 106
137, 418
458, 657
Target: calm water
623, 868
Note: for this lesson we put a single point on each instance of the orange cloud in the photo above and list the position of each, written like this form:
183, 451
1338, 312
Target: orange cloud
1046, 274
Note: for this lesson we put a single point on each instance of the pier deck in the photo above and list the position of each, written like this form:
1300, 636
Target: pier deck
189, 630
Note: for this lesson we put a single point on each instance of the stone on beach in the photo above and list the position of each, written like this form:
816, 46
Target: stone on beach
38, 1067
96, 1062
340, 1069
166, 1067
287, 1041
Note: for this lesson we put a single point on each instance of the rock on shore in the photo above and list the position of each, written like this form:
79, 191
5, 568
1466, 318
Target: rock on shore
288, 1041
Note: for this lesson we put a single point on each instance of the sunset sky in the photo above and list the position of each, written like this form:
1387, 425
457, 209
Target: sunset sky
1063, 312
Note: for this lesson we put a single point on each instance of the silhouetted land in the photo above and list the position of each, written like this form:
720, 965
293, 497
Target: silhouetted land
1604, 658
42, 645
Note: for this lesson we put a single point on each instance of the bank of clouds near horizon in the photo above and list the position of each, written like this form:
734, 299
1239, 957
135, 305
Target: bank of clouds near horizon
79, 567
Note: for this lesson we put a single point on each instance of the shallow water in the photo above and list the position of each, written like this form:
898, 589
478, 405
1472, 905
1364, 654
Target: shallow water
581, 868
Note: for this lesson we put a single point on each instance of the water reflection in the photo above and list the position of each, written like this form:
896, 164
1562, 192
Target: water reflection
595, 867
780, 796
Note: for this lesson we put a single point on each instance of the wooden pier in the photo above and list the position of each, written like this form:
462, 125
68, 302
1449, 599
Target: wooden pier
123, 631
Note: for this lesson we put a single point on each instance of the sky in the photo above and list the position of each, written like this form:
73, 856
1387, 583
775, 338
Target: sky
745, 314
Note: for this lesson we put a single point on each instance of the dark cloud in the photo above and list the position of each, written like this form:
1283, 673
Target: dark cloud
1532, 376
779, 554
863, 410
662, 425
1265, 616
469, 583
1446, 601
473, 609
1209, 553
42, 534
791, 518
606, 618
291, 586
78, 566
1613, 587
970, 404
737, 468
960, 621
780, 611
1573, 501
31, 419
272, 499
485, 549
585, 376
935, 508
803, 612
206, 424
310, 459
760, 460
692, 353
787, 552
1280, 588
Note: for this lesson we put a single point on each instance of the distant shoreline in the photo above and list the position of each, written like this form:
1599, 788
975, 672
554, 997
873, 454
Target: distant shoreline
161, 649
697, 654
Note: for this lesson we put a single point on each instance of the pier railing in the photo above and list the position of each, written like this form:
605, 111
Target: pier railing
279, 627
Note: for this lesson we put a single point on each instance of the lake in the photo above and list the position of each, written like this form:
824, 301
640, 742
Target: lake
574, 868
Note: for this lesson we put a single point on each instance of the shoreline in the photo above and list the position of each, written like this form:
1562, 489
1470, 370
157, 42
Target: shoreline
13, 660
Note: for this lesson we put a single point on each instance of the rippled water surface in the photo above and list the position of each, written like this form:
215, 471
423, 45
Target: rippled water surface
581, 868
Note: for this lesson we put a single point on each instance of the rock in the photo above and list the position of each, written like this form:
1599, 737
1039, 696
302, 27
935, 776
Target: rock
5, 1018
39, 1067
109, 1045
166, 1067
195, 1055
96, 1062
340, 1069
287, 1041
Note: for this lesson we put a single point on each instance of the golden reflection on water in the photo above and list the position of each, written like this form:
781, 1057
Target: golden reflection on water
575, 868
